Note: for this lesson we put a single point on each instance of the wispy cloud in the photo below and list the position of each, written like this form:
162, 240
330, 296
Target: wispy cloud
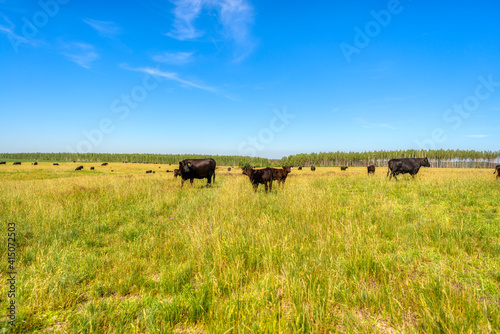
171, 76
370, 125
235, 16
8, 29
477, 136
80, 53
174, 58
104, 28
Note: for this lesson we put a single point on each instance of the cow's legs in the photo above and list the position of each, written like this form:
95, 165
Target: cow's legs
255, 185
265, 184
191, 180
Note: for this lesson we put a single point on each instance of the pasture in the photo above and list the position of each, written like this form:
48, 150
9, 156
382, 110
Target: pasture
116, 250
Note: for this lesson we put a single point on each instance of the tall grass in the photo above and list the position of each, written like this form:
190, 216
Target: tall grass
331, 251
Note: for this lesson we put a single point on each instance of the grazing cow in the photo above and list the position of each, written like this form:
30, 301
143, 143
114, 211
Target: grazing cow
313, 168
35, 163
229, 169
2, 162
79, 168
406, 165
300, 168
17, 163
497, 170
104, 164
176, 172
149, 171
259, 176
343, 167
371, 169
281, 174
191, 169
91, 168
55, 164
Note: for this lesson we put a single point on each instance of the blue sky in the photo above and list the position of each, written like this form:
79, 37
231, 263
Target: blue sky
262, 78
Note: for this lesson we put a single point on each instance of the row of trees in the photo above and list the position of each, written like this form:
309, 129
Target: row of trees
438, 158
222, 160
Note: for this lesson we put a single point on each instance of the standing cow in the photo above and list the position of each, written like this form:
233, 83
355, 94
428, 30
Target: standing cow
191, 169
313, 168
281, 174
259, 176
406, 165
497, 170
343, 167
371, 169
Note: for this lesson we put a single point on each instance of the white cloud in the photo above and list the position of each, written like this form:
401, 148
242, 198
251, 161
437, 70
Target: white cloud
105, 28
174, 58
477, 136
80, 53
235, 16
171, 76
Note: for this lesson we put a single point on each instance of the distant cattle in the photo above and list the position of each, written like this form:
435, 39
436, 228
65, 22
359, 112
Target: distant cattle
371, 169
55, 164
497, 170
91, 168
17, 163
191, 169
259, 176
176, 172
343, 167
406, 166
313, 168
79, 168
149, 171
300, 168
35, 163
104, 164
2, 162
229, 169
281, 174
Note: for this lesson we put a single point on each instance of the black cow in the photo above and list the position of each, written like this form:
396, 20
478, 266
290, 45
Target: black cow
35, 163
343, 167
2, 162
79, 168
497, 170
149, 171
229, 169
406, 165
177, 172
371, 169
313, 168
91, 168
281, 174
17, 163
104, 164
191, 169
55, 164
259, 176
300, 168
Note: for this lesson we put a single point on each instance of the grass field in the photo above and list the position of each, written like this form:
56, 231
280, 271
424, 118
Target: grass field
120, 251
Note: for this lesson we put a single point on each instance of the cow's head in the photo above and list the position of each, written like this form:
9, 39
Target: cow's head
247, 170
185, 166
426, 162
287, 169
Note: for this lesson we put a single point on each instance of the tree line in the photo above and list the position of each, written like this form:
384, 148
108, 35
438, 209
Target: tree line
437, 158
222, 160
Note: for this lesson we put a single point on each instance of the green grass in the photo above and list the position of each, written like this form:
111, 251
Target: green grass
331, 251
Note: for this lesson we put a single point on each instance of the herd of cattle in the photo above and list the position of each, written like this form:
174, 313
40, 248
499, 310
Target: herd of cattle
190, 169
